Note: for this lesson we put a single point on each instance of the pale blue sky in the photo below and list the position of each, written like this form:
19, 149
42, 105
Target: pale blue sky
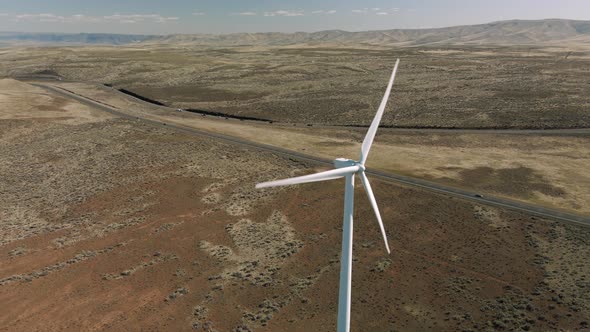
186, 16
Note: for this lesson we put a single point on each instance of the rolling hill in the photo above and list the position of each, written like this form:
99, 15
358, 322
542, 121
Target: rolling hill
504, 32
515, 32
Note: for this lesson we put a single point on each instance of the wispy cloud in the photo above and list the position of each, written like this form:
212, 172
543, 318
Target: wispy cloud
376, 11
327, 12
285, 13
44, 17
390, 11
137, 18
52, 18
115, 18
246, 14
198, 14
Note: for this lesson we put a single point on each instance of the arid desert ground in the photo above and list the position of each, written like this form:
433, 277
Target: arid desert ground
110, 222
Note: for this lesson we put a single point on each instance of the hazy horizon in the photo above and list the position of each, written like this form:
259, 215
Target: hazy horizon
210, 17
292, 32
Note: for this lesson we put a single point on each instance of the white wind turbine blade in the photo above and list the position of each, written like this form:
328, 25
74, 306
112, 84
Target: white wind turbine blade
322, 176
371, 196
375, 124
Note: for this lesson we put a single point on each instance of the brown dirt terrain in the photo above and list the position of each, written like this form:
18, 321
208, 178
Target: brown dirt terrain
438, 86
110, 224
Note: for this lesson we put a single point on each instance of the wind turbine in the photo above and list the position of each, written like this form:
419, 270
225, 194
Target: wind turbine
348, 168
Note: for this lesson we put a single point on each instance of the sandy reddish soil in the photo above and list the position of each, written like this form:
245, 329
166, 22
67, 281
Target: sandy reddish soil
110, 224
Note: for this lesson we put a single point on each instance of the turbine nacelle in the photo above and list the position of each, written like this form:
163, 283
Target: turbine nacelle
343, 162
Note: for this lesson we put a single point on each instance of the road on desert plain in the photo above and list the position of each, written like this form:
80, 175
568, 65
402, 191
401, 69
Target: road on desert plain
387, 176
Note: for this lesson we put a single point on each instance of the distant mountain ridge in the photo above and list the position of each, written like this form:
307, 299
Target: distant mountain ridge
72, 38
503, 32
515, 32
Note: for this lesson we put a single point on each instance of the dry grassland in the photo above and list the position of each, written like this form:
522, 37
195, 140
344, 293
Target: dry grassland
106, 223
546, 169
443, 86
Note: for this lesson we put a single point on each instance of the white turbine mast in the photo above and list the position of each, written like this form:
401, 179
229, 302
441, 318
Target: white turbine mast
348, 168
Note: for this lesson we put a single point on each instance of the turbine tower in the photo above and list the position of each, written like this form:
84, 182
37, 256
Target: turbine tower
348, 168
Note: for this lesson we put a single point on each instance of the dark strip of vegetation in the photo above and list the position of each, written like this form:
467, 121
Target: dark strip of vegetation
229, 116
192, 110
146, 99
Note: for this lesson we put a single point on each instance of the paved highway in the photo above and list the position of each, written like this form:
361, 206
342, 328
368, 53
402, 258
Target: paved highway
390, 177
